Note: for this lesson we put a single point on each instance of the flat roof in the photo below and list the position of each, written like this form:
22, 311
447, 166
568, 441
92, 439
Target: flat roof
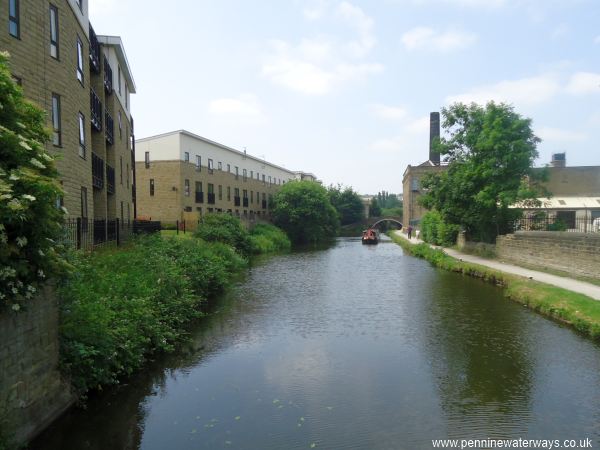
117, 43
566, 203
224, 147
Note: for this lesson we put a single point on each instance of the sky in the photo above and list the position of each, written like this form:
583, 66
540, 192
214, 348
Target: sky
343, 89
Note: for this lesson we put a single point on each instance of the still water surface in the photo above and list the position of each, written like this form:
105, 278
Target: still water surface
354, 347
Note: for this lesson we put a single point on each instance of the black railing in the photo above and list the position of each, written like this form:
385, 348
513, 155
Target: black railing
87, 234
110, 179
264, 204
97, 171
199, 197
109, 128
108, 77
236, 201
94, 51
211, 198
96, 110
245, 203
557, 223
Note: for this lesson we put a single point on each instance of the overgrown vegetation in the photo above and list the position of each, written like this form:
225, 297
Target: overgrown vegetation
347, 203
303, 210
577, 310
227, 229
491, 151
121, 305
30, 222
435, 231
265, 238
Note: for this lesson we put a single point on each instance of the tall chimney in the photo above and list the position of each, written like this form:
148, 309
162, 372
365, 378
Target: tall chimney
434, 135
559, 160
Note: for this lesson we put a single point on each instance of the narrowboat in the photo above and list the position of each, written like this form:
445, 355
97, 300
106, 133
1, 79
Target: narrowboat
370, 236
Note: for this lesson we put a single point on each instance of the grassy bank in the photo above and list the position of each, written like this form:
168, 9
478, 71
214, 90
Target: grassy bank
577, 310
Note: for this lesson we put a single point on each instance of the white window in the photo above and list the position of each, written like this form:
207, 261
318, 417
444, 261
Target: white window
198, 163
210, 166
79, 60
186, 156
53, 31
56, 127
82, 135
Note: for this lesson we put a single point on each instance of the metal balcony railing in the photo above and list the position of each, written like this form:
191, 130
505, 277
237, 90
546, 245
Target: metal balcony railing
97, 172
199, 197
211, 198
110, 179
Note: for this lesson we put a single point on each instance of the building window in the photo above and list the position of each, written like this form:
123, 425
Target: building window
186, 156
228, 193
54, 31
56, 129
220, 192
79, 4
263, 179
82, 135
228, 168
126, 98
152, 187
84, 209
251, 196
14, 24
127, 175
79, 60
122, 215
251, 174
198, 163
146, 160
237, 173
119, 81
186, 190
220, 165
120, 126
210, 166
244, 175
121, 161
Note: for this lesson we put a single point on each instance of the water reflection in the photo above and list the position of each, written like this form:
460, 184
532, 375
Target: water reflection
351, 347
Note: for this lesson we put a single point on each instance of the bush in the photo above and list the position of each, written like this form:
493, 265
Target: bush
227, 229
121, 305
266, 238
30, 222
435, 231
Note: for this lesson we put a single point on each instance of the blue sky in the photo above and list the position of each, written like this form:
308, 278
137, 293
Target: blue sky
343, 89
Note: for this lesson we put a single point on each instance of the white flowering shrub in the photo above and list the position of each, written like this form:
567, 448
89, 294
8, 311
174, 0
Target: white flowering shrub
30, 222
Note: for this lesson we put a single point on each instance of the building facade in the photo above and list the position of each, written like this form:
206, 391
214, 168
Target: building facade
181, 176
84, 82
413, 175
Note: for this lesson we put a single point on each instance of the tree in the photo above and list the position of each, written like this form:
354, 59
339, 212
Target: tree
226, 229
374, 208
490, 151
347, 203
30, 222
303, 210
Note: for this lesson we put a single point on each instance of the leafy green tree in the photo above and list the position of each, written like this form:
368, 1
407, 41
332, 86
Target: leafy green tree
30, 222
303, 210
347, 203
491, 150
374, 209
227, 229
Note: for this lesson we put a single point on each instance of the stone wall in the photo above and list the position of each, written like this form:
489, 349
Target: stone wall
32, 393
574, 253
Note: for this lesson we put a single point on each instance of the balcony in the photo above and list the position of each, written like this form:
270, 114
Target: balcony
110, 179
264, 204
109, 128
96, 111
237, 201
245, 202
211, 198
199, 197
108, 77
94, 51
97, 171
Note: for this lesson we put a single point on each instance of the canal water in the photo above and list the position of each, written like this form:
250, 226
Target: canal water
353, 347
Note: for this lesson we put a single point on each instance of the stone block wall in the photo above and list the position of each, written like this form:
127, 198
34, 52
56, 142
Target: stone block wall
574, 253
32, 392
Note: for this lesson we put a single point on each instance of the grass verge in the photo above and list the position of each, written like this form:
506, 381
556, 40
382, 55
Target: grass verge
577, 310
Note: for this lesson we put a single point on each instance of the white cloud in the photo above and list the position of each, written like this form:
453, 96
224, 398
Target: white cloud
429, 39
560, 135
584, 83
526, 91
315, 11
318, 65
388, 112
246, 105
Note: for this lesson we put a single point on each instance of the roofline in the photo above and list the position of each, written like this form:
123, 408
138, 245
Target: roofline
208, 141
117, 43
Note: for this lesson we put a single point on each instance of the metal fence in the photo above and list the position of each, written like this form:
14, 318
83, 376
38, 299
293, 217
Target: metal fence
577, 225
88, 234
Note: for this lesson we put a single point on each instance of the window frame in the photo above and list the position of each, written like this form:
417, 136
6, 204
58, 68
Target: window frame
151, 187
80, 68
54, 40
16, 19
146, 160
56, 122
84, 202
82, 136
199, 163
186, 187
186, 157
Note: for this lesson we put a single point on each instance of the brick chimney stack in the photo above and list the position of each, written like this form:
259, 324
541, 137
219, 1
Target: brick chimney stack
434, 134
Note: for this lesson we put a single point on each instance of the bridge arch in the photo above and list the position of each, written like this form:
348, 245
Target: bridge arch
387, 220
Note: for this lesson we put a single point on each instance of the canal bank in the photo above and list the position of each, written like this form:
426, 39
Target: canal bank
559, 301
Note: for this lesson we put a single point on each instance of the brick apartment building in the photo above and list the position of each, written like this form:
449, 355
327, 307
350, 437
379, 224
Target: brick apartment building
181, 176
84, 82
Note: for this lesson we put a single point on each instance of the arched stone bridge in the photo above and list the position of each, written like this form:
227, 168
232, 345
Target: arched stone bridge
387, 219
